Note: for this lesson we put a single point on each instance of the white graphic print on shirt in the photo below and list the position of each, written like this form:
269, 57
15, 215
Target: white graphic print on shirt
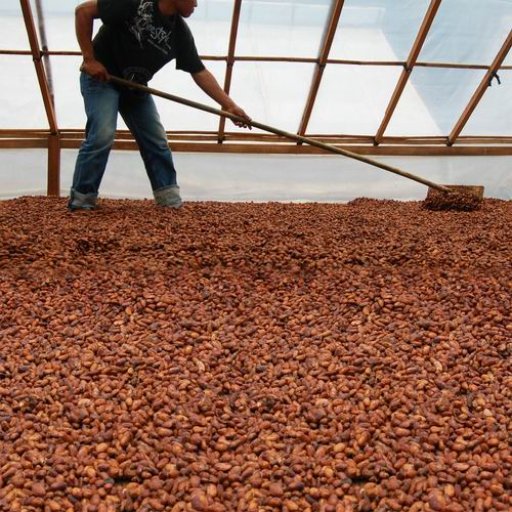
142, 27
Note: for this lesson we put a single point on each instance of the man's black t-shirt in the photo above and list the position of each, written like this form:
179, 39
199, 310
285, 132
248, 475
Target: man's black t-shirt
136, 40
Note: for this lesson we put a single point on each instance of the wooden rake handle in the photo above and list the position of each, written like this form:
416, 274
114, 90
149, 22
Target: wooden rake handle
277, 131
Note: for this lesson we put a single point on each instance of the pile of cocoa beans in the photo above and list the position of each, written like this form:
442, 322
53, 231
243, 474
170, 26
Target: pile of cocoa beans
253, 357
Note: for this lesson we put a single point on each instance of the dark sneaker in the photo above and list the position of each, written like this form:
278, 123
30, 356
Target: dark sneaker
72, 207
168, 197
79, 201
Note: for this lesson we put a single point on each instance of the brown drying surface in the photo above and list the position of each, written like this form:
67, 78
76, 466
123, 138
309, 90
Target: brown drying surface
255, 357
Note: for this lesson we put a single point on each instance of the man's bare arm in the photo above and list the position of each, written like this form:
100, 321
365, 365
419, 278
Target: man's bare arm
208, 83
85, 14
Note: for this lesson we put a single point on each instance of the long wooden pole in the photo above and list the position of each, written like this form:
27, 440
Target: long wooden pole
53, 178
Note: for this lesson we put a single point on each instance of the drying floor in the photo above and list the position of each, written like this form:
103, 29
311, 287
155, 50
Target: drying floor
255, 357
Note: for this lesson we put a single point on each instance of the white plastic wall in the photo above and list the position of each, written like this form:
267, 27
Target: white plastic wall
234, 177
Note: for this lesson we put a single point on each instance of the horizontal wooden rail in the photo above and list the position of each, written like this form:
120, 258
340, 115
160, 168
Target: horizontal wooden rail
258, 137
267, 144
304, 60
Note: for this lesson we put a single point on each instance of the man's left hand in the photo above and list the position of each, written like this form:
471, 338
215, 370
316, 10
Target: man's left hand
237, 111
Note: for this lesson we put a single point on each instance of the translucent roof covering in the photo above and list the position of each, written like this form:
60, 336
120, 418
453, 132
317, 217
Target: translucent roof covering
368, 69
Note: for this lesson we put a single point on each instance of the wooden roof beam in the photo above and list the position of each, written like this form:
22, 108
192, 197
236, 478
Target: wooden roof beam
53, 178
235, 22
409, 66
481, 89
37, 56
305, 60
320, 66
44, 47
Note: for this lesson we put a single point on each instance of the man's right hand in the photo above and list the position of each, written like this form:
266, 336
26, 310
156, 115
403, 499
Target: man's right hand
95, 69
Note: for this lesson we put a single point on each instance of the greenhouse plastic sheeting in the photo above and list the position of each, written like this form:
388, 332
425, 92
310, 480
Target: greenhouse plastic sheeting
351, 98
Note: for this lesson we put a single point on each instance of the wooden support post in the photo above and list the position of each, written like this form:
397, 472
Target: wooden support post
53, 182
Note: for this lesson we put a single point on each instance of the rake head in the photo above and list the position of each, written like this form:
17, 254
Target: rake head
457, 197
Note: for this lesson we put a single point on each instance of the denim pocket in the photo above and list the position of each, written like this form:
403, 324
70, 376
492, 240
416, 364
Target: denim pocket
89, 84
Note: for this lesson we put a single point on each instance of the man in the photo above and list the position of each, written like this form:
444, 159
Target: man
137, 38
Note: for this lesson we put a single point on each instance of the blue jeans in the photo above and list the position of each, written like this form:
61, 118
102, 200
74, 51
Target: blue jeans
102, 102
